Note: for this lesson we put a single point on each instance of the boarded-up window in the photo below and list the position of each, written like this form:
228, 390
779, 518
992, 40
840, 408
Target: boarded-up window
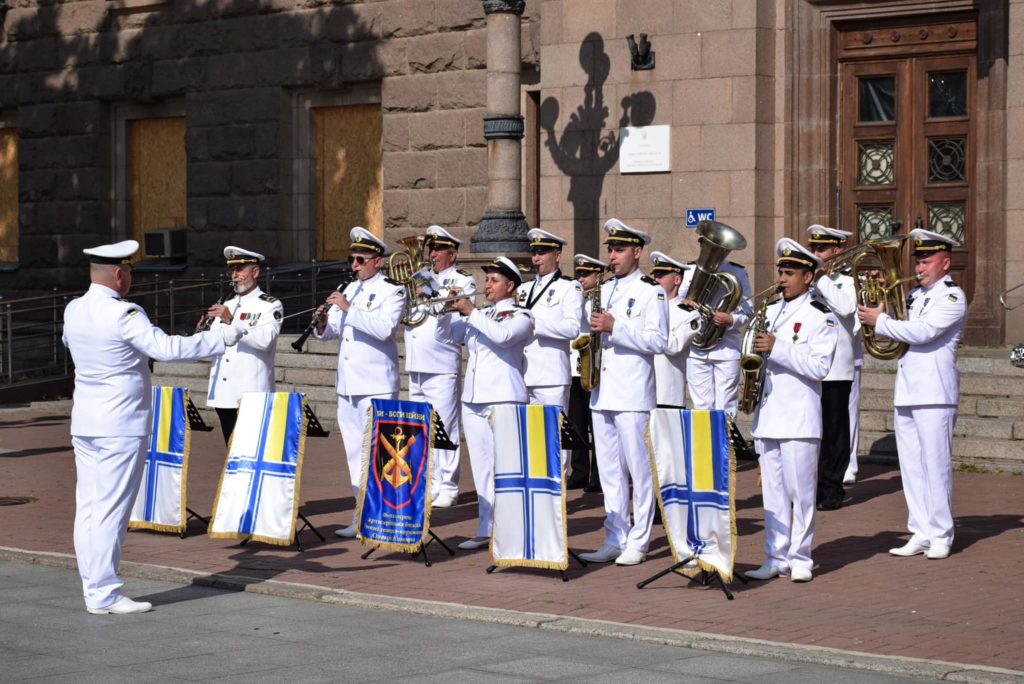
8, 195
158, 175
349, 179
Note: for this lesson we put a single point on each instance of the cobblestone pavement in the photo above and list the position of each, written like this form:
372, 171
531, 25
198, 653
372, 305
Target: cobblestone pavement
965, 609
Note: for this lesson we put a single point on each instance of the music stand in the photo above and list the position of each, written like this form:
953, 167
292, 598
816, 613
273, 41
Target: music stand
705, 578
195, 422
441, 441
570, 439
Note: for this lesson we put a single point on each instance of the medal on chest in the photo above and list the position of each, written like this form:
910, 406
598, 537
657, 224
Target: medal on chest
629, 306
796, 331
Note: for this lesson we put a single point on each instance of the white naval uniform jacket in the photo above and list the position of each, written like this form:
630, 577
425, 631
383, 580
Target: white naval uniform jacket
556, 303
927, 373
670, 367
627, 352
111, 342
249, 365
368, 354
424, 353
837, 293
728, 347
805, 341
495, 338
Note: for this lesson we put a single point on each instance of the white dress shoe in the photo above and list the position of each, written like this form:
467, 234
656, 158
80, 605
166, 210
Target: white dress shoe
911, 548
765, 572
474, 543
800, 574
443, 501
606, 554
123, 606
630, 557
849, 478
346, 532
938, 551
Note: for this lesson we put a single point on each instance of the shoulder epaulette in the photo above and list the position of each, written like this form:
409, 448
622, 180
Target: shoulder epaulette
950, 283
820, 306
389, 281
268, 298
565, 277
649, 280
463, 272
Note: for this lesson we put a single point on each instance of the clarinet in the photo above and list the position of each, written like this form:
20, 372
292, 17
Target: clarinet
299, 342
208, 321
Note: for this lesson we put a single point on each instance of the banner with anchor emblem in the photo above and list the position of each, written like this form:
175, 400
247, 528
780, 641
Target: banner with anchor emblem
393, 511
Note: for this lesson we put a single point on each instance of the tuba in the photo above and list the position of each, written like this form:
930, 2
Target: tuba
716, 241
404, 268
589, 344
752, 363
876, 267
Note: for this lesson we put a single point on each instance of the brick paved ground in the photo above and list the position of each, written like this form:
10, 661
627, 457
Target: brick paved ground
964, 609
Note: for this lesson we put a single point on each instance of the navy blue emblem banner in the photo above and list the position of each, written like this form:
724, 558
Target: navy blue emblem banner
394, 500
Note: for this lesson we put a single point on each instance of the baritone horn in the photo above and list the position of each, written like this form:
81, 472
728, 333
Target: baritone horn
403, 267
716, 241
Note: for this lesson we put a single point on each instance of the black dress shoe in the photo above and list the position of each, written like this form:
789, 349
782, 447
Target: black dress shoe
576, 482
593, 488
829, 505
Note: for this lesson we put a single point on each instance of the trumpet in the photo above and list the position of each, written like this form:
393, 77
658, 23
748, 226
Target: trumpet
438, 305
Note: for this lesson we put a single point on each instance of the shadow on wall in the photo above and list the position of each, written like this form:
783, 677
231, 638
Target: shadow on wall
585, 151
233, 67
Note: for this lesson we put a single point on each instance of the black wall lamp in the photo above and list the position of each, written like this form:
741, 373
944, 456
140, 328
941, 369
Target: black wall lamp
641, 54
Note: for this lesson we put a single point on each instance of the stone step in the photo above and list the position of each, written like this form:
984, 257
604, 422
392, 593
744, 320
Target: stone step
970, 384
978, 360
966, 426
989, 454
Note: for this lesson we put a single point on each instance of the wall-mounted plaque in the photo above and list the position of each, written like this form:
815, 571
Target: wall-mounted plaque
645, 149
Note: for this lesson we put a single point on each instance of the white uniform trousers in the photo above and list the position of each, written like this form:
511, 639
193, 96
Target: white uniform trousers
851, 470
789, 481
714, 384
480, 442
352, 416
924, 439
621, 454
441, 391
555, 395
109, 474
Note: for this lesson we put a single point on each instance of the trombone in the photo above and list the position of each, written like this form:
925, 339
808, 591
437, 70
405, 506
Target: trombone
1002, 297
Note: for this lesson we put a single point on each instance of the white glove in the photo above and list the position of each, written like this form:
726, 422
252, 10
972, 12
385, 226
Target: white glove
231, 335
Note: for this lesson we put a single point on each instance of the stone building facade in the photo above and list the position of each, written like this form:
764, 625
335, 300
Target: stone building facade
299, 118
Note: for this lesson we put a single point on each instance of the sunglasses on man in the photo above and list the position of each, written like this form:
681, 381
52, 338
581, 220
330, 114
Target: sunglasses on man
360, 259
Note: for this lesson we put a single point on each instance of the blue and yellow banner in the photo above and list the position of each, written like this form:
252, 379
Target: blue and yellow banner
259, 489
529, 490
161, 500
694, 476
393, 511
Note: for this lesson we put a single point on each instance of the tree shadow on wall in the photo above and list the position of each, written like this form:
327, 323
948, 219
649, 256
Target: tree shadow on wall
584, 151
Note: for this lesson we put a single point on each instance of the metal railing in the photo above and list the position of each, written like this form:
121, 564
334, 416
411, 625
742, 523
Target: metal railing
31, 328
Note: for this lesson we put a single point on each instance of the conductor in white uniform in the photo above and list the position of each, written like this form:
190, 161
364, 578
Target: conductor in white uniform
634, 328
249, 365
111, 342
495, 338
556, 304
799, 344
927, 393
365, 318
434, 366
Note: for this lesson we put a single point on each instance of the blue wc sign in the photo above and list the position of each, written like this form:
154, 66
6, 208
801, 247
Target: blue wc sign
695, 216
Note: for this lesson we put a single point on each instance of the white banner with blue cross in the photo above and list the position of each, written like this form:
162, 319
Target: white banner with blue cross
529, 489
160, 503
258, 495
694, 477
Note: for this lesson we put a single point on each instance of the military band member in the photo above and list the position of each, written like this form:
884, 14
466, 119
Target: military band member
495, 338
588, 271
556, 304
714, 374
111, 342
365, 318
670, 367
634, 328
837, 292
249, 365
799, 345
434, 366
927, 392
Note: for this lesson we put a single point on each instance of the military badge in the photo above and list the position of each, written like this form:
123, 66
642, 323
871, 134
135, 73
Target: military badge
951, 297
796, 329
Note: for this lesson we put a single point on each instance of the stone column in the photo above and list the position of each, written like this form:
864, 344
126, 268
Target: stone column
503, 227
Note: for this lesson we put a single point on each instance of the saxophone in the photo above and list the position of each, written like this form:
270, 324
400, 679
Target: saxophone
752, 363
589, 344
